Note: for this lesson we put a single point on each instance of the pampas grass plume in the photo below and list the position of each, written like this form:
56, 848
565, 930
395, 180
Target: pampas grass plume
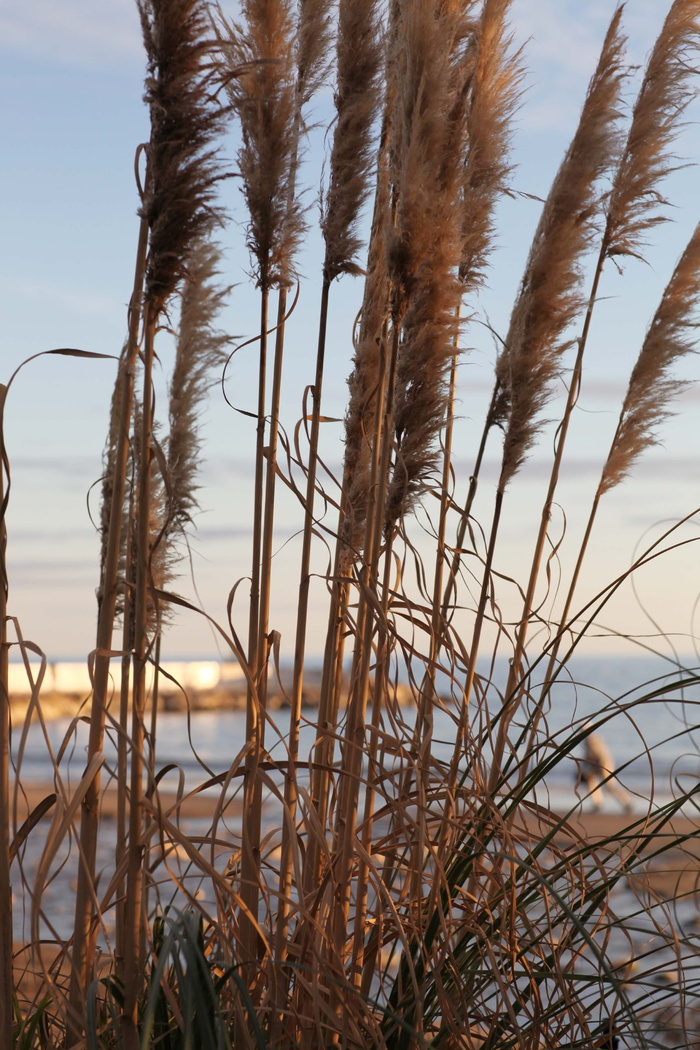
656, 121
357, 99
549, 297
259, 68
495, 95
186, 118
671, 336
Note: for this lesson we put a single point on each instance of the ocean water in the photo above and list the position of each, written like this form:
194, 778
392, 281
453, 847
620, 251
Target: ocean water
650, 724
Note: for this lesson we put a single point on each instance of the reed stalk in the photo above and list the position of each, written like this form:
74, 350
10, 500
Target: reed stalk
359, 51
133, 916
354, 735
178, 206
285, 885
122, 779
362, 434
259, 56
6, 946
84, 927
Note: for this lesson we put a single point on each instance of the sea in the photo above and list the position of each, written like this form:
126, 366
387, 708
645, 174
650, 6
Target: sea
645, 708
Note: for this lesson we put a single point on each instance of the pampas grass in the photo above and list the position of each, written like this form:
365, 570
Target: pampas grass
651, 389
550, 295
665, 92
383, 888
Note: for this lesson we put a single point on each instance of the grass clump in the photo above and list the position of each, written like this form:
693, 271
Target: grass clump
405, 878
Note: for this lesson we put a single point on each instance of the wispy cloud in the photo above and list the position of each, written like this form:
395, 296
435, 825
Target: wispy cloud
563, 41
669, 469
81, 33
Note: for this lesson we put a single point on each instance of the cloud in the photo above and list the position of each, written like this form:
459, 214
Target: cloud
651, 468
80, 33
563, 40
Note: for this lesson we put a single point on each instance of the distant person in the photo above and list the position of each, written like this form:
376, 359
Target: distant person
595, 768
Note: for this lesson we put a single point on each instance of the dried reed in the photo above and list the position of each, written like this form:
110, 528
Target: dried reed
425, 250
6, 946
671, 336
419, 895
612, 56
178, 207
359, 63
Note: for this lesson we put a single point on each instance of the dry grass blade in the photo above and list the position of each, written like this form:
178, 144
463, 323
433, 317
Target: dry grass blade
550, 297
671, 336
656, 121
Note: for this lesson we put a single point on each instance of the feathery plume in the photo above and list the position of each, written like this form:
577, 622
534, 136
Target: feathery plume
313, 46
671, 335
435, 67
364, 379
495, 95
201, 350
186, 118
109, 457
258, 55
549, 297
662, 98
357, 96
159, 562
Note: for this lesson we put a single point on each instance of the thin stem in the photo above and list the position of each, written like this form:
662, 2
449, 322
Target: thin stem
300, 640
6, 982
122, 775
354, 744
426, 697
466, 513
564, 618
123, 742
512, 693
133, 918
474, 648
255, 723
84, 932
379, 693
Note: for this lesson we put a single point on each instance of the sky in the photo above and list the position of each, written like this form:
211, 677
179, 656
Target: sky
71, 78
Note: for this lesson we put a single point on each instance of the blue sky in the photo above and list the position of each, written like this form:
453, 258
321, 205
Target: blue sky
71, 119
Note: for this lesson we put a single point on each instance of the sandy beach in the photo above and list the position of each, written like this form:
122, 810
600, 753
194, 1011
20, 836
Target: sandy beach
669, 848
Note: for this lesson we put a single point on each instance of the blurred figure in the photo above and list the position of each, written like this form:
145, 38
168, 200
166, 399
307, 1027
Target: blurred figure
594, 769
